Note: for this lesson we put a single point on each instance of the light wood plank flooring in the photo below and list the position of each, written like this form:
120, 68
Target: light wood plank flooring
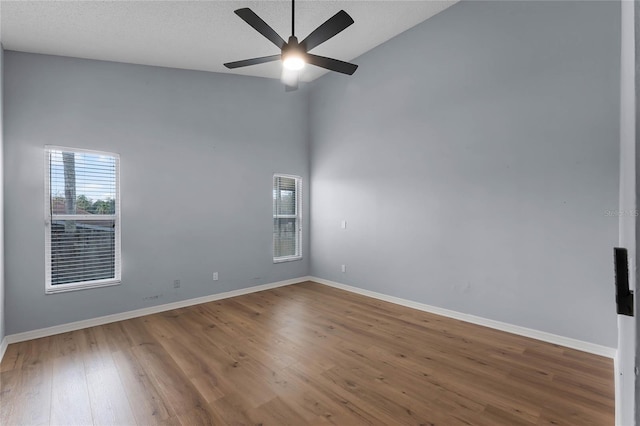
305, 354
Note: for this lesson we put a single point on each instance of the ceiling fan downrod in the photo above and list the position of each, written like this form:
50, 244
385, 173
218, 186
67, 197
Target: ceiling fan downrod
293, 18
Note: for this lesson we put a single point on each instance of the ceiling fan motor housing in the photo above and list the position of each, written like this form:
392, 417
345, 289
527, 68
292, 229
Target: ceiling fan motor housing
292, 46
293, 55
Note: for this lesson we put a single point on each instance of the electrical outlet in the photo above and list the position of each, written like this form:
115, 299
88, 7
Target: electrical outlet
176, 283
344, 268
343, 224
215, 276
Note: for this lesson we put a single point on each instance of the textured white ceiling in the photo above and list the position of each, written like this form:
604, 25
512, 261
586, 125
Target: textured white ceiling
198, 35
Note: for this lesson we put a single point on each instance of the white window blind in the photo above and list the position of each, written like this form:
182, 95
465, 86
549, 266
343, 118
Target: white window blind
82, 209
287, 217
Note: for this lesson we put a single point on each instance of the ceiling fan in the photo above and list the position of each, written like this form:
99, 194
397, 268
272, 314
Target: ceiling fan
295, 55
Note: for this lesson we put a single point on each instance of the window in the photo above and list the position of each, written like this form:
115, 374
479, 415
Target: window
287, 218
82, 211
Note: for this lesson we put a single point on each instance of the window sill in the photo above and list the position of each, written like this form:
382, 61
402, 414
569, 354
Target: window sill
286, 259
63, 288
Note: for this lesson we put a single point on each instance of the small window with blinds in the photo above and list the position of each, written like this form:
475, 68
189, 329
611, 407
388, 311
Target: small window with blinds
82, 212
287, 218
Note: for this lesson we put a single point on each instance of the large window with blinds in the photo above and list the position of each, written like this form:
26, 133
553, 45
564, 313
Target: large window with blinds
82, 217
287, 218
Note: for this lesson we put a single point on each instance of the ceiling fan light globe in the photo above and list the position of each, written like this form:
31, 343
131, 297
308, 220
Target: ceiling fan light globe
293, 62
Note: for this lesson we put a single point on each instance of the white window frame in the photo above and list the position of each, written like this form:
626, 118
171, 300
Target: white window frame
58, 288
297, 216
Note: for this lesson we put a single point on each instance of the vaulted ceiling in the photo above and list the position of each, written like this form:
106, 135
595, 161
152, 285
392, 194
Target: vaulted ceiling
199, 35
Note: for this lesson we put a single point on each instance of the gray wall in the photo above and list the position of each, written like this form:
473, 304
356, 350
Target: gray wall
473, 158
198, 151
2, 308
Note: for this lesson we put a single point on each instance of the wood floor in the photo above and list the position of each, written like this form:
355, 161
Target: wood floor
298, 355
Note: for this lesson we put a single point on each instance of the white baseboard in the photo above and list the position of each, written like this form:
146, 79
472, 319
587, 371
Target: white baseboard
510, 328
498, 325
72, 326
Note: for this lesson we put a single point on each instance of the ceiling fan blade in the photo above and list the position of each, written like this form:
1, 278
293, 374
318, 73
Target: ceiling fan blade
254, 61
259, 25
332, 64
324, 32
